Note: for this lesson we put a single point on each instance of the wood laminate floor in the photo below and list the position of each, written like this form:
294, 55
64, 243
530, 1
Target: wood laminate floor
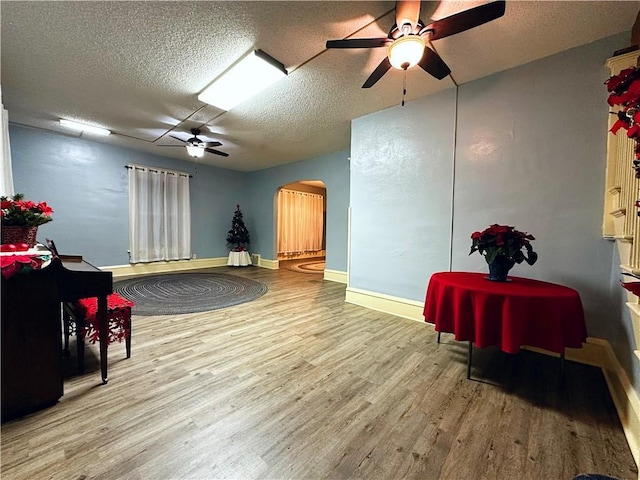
297, 384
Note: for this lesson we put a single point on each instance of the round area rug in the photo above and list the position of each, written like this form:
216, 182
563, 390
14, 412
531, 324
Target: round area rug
316, 266
187, 292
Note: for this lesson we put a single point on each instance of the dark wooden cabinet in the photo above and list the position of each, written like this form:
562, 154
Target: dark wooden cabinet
31, 342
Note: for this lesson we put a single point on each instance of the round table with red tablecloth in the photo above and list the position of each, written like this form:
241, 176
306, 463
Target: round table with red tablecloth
507, 315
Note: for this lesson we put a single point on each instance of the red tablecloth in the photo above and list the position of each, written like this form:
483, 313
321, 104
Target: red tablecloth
505, 314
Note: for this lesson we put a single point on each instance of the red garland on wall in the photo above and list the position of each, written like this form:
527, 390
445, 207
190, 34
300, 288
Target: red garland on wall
624, 91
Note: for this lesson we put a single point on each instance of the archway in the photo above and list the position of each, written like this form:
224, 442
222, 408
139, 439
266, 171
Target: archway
297, 228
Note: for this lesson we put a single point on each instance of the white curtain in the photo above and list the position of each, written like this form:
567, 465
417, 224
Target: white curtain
300, 218
159, 215
6, 173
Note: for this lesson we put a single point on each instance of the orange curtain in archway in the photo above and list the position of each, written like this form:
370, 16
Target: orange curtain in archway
299, 222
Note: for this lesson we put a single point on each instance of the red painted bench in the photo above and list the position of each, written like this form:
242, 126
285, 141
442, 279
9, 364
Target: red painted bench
80, 317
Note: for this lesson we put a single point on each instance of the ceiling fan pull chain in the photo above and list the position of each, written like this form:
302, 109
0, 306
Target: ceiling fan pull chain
404, 85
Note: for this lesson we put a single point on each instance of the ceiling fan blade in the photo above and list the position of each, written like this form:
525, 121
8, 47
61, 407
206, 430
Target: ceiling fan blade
466, 20
210, 144
377, 74
407, 11
181, 146
433, 64
216, 152
178, 139
358, 43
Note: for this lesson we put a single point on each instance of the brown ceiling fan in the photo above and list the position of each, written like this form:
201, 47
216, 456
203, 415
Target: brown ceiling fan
196, 147
408, 42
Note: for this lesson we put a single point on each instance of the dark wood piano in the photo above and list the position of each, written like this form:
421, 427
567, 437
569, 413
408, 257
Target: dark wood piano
31, 333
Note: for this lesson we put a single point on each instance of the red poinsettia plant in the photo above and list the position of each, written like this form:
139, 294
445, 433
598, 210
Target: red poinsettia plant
506, 241
17, 212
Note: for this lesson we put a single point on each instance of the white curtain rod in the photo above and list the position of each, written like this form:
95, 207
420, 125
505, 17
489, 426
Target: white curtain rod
159, 170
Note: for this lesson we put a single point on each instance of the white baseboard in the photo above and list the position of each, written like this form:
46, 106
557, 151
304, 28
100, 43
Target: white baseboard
400, 307
164, 267
270, 264
336, 276
595, 352
624, 396
185, 265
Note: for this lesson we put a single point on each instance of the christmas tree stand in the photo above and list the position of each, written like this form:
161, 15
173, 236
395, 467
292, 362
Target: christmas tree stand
239, 259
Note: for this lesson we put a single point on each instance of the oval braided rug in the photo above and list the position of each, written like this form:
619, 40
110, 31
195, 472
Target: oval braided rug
316, 266
178, 293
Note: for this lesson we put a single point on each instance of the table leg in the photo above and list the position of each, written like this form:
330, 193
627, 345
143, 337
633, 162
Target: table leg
469, 360
439, 336
103, 329
561, 366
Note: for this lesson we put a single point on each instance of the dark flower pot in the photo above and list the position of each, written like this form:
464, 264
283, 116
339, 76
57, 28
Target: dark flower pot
499, 268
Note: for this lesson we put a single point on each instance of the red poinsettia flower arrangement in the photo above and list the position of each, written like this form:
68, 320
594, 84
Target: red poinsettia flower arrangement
12, 264
24, 213
506, 241
624, 91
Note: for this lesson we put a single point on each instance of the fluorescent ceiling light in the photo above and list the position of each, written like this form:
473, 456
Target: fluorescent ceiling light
84, 128
195, 151
250, 75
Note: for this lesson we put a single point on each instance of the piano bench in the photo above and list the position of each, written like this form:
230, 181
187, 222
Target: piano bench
81, 317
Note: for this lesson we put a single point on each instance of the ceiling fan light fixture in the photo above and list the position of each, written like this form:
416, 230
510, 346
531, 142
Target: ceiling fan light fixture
84, 128
195, 151
406, 51
249, 76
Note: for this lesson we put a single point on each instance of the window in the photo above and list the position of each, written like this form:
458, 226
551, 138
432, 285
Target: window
159, 215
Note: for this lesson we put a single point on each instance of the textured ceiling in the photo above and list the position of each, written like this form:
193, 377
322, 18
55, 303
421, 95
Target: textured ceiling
136, 68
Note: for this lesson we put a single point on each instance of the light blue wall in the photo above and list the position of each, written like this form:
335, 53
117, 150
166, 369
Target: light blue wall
333, 171
85, 182
530, 152
401, 177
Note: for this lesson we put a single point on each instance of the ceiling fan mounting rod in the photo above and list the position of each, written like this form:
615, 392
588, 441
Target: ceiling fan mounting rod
426, 32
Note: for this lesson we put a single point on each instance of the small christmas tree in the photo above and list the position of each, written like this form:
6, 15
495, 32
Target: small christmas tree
238, 236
